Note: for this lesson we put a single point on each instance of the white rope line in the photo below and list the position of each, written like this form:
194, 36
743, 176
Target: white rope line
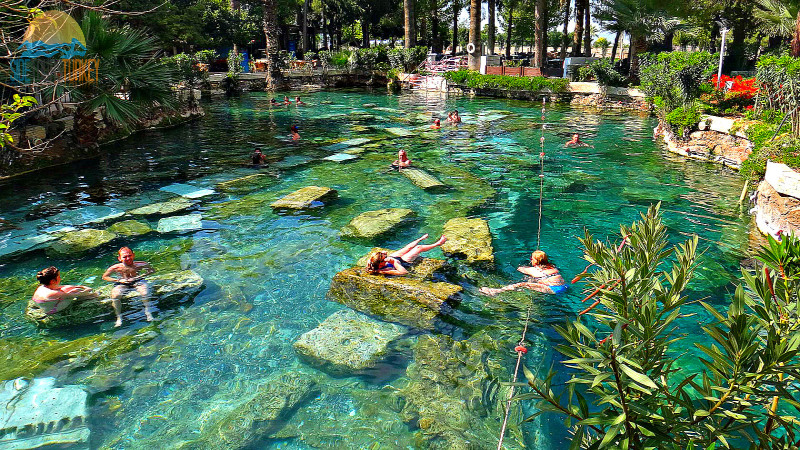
521, 343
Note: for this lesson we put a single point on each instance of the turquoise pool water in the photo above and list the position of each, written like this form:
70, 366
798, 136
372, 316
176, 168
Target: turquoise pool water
266, 274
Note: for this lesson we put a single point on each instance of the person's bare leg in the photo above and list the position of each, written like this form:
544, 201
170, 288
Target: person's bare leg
117, 304
543, 288
144, 292
412, 254
407, 248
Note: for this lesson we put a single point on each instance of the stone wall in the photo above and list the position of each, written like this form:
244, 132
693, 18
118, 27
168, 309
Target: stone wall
777, 209
712, 142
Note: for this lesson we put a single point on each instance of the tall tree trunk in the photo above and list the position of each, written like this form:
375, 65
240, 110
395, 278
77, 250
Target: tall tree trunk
234, 4
305, 45
324, 28
86, 131
435, 25
491, 28
270, 25
408, 15
422, 39
614, 48
456, 7
565, 39
587, 29
737, 47
638, 45
539, 33
364, 33
713, 40
509, 29
475, 34
796, 39
578, 37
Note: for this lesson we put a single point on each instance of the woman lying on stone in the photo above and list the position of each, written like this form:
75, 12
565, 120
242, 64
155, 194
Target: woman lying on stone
400, 261
52, 297
542, 276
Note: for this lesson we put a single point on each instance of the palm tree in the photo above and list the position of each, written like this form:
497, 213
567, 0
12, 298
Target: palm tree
131, 80
565, 36
269, 22
578, 36
490, 32
540, 33
410, 33
456, 8
474, 61
780, 19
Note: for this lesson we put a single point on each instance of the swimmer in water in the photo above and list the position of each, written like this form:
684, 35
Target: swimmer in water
437, 124
576, 142
402, 160
52, 297
286, 100
453, 117
295, 135
258, 158
130, 277
299, 102
399, 262
542, 276
274, 102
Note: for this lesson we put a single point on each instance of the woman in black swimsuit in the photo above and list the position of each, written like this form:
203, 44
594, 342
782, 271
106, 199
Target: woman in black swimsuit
400, 261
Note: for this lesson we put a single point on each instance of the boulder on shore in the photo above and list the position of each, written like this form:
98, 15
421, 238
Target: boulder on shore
470, 239
76, 242
414, 300
172, 287
347, 342
307, 197
775, 212
258, 417
371, 224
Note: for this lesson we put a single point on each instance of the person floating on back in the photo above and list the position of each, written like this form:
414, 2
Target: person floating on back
299, 102
295, 134
52, 297
542, 276
286, 100
130, 277
402, 160
576, 142
437, 124
400, 261
258, 158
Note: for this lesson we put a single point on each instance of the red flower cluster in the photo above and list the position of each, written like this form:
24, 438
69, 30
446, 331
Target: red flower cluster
742, 87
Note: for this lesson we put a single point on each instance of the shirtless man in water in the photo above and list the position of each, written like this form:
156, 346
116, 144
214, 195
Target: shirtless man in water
576, 142
130, 276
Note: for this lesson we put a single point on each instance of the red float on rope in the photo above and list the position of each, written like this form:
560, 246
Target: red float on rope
521, 349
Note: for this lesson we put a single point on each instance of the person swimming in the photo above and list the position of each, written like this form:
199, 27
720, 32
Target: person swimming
398, 263
437, 124
130, 277
258, 158
274, 102
299, 102
453, 117
52, 297
542, 276
576, 142
286, 100
402, 160
295, 135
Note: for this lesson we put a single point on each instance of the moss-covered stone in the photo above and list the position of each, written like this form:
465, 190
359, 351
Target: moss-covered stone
347, 342
470, 239
167, 288
306, 197
80, 241
163, 208
247, 183
28, 357
423, 268
258, 417
130, 228
409, 300
422, 178
372, 224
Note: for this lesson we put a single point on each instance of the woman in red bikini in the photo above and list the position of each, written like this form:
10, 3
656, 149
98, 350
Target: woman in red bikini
52, 297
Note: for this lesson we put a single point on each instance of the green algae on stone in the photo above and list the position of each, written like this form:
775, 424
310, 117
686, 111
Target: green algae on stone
347, 342
14, 289
258, 417
305, 198
422, 178
423, 268
165, 289
28, 357
80, 241
470, 239
163, 208
249, 205
246, 183
372, 224
130, 228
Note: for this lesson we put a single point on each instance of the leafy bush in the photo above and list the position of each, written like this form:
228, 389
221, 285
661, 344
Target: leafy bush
234, 64
785, 149
605, 74
340, 59
407, 59
585, 73
475, 80
779, 87
683, 119
325, 58
675, 77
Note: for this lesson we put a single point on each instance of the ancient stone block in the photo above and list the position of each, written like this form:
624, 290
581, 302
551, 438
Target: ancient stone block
307, 197
375, 223
470, 239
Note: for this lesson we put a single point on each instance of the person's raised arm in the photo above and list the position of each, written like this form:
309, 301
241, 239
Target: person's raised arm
527, 270
107, 275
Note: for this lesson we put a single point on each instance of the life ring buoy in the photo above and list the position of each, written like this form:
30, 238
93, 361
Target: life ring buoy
470, 48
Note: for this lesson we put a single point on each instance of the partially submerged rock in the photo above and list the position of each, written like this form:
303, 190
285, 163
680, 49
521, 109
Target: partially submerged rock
165, 289
37, 414
307, 197
422, 178
86, 215
130, 228
187, 190
244, 183
163, 208
375, 223
411, 300
470, 239
258, 417
347, 342
180, 224
80, 241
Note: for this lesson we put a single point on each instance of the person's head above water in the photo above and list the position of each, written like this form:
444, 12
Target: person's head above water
48, 276
375, 262
294, 129
539, 258
437, 122
576, 137
125, 256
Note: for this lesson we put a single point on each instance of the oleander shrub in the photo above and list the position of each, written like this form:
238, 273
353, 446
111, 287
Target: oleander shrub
475, 80
675, 77
605, 74
683, 119
778, 79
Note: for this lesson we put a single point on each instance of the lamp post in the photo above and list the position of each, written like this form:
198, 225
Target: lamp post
721, 54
